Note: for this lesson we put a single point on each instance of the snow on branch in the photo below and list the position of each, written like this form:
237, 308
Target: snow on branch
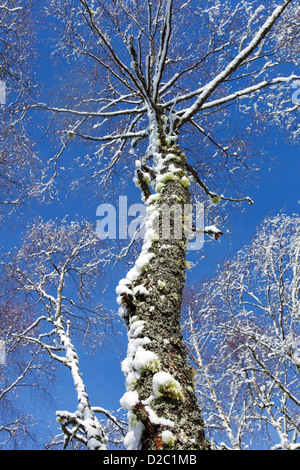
216, 198
233, 65
245, 92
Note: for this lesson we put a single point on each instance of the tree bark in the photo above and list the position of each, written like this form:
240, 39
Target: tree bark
164, 413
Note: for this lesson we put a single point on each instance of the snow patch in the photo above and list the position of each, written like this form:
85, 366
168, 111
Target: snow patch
145, 359
168, 437
133, 437
164, 384
140, 290
158, 419
129, 399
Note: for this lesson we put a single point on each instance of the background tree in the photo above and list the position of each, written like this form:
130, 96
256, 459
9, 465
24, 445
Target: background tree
243, 333
18, 161
19, 369
54, 274
167, 78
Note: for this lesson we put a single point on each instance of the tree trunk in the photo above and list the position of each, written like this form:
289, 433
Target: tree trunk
163, 409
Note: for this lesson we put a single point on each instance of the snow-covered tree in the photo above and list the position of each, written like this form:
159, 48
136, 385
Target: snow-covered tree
53, 276
159, 86
243, 333
18, 161
20, 367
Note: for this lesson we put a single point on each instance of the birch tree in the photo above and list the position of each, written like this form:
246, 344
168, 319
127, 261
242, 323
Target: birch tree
243, 332
54, 273
162, 81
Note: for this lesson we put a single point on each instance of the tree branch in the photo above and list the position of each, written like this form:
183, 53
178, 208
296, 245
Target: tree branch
233, 65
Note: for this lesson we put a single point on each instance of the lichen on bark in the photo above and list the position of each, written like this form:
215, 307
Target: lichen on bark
175, 408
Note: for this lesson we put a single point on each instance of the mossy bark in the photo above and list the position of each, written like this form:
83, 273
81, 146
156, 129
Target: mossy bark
164, 279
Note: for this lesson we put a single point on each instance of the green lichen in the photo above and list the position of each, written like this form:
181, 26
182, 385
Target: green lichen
146, 178
176, 158
133, 421
179, 199
193, 372
188, 265
159, 187
168, 438
185, 182
169, 177
171, 389
132, 385
151, 366
216, 199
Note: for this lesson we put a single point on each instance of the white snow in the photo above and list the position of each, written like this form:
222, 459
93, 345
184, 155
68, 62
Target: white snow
129, 399
133, 437
161, 380
212, 229
133, 345
238, 59
137, 357
167, 436
140, 289
136, 328
161, 284
145, 256
122, 289
158, 419
142, 358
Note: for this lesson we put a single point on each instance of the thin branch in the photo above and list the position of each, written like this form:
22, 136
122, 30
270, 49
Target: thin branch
212, 194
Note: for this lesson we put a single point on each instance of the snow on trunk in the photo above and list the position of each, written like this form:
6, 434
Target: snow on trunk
82, 425
162, 407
